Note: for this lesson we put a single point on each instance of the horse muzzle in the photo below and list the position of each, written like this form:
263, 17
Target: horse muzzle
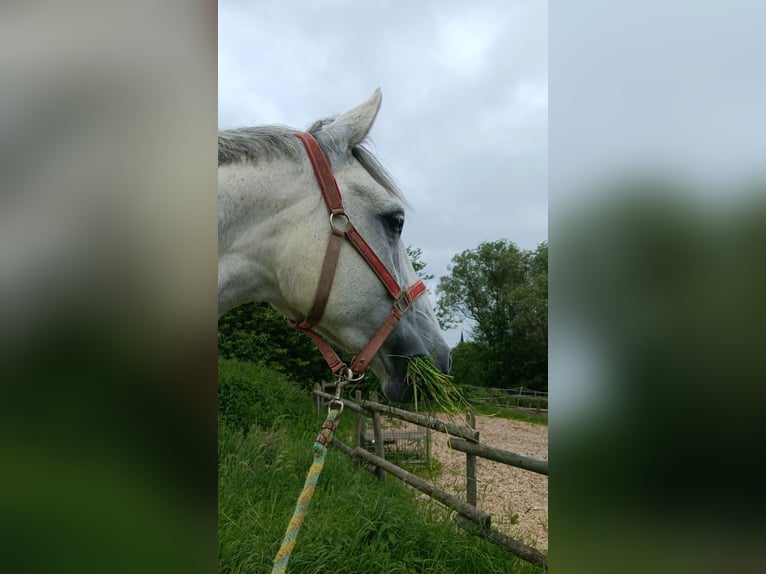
392, 368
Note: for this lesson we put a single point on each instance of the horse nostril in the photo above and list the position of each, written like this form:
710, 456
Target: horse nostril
449, 362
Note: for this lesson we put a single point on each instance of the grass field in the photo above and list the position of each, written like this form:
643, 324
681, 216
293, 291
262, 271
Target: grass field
511, 413
354, 525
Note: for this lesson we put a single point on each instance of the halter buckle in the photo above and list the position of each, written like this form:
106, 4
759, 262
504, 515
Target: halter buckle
402, 304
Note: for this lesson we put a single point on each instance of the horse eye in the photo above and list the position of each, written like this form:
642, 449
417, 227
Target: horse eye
395, 221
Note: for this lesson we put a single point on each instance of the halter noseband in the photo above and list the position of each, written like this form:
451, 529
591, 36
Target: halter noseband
340, 228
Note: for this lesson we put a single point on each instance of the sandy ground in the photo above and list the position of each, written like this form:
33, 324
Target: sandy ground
517, 499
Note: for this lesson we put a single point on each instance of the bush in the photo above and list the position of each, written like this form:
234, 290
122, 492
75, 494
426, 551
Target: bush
251, 394
257, 333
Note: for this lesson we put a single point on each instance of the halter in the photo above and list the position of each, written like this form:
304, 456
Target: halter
341, 228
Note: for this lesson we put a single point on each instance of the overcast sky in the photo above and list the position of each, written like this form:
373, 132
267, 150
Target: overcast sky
464, 123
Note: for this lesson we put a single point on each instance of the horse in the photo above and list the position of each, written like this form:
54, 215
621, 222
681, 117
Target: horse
273, 243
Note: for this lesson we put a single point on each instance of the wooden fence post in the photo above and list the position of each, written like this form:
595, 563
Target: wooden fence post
358, 420
378, 433
470, 465
428, 447
317, 387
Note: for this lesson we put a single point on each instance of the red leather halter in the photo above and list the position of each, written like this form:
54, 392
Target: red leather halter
340, 228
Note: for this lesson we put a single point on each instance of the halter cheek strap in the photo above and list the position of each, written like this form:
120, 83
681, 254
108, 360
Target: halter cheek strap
341, 228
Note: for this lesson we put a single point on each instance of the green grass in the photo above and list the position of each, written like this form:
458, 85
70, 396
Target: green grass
355, 524
510, 413
434, 390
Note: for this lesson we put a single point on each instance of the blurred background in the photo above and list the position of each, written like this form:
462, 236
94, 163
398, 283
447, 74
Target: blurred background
107, 286
657, 212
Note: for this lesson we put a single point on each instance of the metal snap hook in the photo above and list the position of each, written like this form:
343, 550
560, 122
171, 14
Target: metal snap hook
338, 402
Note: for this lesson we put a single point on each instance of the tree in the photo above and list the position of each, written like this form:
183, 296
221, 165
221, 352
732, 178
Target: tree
504, 291
469, 362
415, 254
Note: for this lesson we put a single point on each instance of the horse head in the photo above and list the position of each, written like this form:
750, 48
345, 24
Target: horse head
273, 235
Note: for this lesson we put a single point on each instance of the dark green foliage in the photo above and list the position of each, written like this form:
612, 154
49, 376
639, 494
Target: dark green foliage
250, 395
469, 364
255, 332
504, 291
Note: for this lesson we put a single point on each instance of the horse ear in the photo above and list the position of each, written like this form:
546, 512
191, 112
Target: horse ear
350, 129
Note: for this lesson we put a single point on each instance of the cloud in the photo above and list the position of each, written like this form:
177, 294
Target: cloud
465, 37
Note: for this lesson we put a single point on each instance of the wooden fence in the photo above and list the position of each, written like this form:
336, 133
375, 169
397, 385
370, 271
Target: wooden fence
462, 438
518, 398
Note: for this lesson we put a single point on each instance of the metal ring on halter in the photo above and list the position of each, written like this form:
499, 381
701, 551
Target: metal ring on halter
335, 224
347, 375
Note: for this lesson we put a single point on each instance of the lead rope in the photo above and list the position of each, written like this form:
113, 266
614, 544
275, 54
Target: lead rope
334, 410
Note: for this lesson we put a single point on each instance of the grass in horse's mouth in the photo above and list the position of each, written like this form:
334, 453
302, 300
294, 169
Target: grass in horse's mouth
435, 391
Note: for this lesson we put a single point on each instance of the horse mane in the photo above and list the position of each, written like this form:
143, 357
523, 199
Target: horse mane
258, 143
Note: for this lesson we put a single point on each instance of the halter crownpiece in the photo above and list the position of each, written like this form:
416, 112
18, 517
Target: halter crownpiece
342, 228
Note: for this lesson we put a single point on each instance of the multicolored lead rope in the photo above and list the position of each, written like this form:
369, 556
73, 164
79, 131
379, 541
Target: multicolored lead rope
320, 454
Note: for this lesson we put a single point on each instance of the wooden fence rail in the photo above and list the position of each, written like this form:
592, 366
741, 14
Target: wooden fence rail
514, 391
537, 401
463, 439
368, 407
449, 500
538, 465
531, 555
